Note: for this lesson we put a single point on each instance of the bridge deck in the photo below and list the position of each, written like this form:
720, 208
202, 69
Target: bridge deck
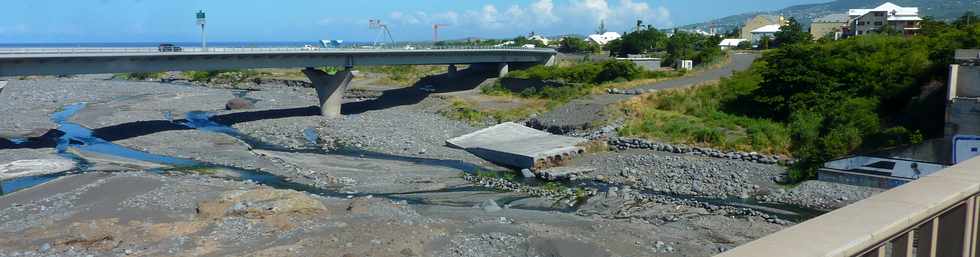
41, 61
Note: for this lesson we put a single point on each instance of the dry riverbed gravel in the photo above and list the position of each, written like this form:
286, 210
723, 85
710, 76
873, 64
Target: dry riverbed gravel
401, 192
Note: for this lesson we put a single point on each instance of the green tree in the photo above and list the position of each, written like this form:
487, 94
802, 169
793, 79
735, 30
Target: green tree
968, 19
576, 45
645, 40
690, 46
522, 40
792, 33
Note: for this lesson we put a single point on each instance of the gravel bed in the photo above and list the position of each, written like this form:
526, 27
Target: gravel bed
402, 131
680, 174
822, 195
488, 244
616, 194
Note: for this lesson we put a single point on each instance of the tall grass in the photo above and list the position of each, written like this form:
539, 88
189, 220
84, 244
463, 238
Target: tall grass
706, 115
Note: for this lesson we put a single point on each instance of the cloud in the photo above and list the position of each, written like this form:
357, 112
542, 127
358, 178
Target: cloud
546, 16
622, 15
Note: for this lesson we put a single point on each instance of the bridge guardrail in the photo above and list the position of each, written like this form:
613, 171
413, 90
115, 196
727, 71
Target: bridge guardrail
936, 215
93, 50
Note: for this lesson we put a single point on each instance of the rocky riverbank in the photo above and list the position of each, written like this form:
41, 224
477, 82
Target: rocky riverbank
636, 143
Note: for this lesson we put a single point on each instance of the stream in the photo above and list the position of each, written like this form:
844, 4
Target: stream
82, 139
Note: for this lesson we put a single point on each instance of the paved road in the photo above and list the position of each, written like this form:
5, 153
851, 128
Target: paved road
581, 114
739, 62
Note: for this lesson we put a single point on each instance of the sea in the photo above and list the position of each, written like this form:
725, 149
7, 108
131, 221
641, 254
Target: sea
270, 44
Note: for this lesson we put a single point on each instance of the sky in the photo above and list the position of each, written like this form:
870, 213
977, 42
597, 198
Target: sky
69, 21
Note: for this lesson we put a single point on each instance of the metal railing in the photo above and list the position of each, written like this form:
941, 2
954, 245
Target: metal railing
935, 215
95, 50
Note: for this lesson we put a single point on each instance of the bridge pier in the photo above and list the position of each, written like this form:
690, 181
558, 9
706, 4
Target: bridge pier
452, 70
329, 89
502, 69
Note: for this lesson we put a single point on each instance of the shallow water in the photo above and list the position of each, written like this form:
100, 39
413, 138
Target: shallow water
84, 140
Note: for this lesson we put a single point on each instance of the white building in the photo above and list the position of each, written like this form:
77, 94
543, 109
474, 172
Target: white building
765, 31
543, 40
864, 21
731, 43
604, 38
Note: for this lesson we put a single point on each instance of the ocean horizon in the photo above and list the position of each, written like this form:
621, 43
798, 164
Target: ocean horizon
252, 44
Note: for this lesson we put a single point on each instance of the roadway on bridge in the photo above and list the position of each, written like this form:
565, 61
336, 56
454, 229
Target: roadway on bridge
68, 61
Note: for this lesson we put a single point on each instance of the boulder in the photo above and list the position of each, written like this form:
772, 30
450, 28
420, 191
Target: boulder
489, 206
238, 103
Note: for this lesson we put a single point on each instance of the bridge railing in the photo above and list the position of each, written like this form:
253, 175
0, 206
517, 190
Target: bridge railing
93, 50
935, 215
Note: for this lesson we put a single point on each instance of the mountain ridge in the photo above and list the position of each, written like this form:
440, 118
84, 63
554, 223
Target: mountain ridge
805, 13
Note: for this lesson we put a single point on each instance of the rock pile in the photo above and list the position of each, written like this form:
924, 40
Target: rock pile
635, 143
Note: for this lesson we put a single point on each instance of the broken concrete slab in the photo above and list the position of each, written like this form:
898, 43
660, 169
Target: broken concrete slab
34, 167
518, 146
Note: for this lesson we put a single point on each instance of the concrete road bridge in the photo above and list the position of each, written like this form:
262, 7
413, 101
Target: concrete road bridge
329, 88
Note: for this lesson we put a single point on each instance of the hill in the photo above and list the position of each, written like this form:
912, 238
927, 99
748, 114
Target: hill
939, 9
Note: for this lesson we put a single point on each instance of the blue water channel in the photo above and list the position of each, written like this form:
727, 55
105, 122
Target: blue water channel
83, 140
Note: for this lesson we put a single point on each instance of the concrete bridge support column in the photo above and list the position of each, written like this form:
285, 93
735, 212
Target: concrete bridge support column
452, 71
502, 69
329, 89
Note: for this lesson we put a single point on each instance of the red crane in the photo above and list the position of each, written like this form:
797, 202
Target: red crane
435, 31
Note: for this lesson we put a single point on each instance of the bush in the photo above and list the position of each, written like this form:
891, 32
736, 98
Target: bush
460, 110
702, 116
140, 75
576, 45
589, 72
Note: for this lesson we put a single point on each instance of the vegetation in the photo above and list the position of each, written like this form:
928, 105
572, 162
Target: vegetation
697, 116
576, 46
648, 40
681, 46
232, 77
140, 75
690, 46
817, 101
577, 80
505, 175
518, 41
792, 33
403, 74
464, 111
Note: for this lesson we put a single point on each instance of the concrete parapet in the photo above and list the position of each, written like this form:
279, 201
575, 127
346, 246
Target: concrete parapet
939, 211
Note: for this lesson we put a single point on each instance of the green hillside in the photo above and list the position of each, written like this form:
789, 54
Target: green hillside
939, 9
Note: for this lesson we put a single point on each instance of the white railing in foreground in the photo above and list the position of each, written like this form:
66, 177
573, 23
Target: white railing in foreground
933, 216
86, 50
